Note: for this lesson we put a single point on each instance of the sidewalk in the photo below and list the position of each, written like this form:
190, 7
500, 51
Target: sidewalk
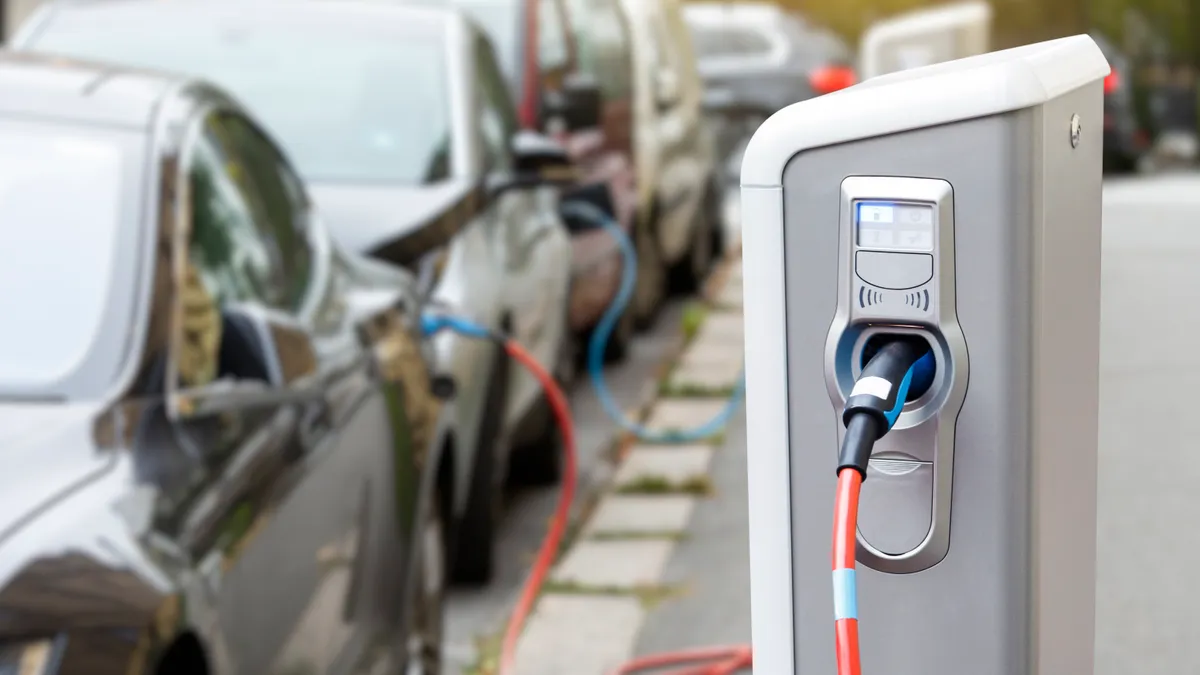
661, 562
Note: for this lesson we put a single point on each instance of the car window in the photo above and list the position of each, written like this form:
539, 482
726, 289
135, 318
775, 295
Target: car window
71, 256
226, 246
553, 40
496, 116
603, 40
351, 103
277, 198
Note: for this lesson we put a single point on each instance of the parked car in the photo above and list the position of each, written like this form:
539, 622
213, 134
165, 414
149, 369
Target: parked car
676, 163
756, 58
549, 70
211, 463
401, 123
1125, 139
603, 41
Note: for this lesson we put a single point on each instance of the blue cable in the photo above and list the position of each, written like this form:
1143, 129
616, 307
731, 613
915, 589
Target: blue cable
608, 322
432, 323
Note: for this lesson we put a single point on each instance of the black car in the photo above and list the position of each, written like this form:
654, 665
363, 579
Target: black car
219, 450
1125, 138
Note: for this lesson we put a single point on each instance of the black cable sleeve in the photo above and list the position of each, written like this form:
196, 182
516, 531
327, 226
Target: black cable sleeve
862, 431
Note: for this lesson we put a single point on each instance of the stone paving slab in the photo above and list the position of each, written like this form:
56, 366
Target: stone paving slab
708, 365
706, 377
701, 353
722, 328
602, 633
641, 514
683, 413
730, 295
629, 564
676, 464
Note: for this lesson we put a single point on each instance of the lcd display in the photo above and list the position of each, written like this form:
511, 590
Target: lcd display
895, 227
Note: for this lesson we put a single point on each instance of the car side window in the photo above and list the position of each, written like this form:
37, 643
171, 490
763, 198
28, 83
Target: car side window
496, 115
276, 195
227, 260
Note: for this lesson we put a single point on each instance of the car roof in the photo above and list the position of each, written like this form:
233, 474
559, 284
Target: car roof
401, 17
81, 92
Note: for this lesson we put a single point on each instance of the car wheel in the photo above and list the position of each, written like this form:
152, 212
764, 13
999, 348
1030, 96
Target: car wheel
715, 205
619, 341
426, 606
651, 288
689, 274
475, 536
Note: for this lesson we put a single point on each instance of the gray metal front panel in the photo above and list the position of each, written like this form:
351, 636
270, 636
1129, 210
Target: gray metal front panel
963, 614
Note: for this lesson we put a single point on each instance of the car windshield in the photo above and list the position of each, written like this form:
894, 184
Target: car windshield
350, 106
68, 266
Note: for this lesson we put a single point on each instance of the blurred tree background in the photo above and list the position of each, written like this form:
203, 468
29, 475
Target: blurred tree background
1158, 41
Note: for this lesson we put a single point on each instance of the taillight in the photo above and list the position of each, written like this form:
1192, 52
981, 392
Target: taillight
1111, 82
829, 79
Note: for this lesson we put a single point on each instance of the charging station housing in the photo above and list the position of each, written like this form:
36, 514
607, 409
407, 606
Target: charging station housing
957, 203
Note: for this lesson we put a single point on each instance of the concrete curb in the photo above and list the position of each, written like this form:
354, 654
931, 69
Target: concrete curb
630, 511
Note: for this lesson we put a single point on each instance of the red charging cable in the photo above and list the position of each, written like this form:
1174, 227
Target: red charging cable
845, 526
710, 661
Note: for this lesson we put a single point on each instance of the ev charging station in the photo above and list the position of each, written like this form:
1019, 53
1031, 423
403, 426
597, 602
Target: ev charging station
957, 203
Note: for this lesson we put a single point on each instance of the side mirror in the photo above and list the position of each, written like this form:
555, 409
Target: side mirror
666, 88
261, 356
579, 103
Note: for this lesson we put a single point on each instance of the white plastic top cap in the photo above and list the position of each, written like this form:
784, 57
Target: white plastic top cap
976, 86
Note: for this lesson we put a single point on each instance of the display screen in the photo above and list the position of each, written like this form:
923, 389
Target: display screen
898, 227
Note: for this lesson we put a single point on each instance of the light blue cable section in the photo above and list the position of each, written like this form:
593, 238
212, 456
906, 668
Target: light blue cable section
608, 322
845, 595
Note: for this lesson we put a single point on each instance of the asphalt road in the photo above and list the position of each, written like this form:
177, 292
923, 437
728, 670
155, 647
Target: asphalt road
472, 613
711, 564
1149, 506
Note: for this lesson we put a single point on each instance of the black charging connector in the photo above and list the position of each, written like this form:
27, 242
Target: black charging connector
878, 396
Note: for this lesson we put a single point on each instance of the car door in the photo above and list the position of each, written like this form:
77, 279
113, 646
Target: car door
305, 504
683, 167
537, 249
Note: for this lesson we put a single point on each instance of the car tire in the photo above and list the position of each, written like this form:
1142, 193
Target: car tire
616, 349
651, 288
714, 203
425, 613
475, 536
688, 275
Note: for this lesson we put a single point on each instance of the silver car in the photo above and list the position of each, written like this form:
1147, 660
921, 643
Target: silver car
401, 123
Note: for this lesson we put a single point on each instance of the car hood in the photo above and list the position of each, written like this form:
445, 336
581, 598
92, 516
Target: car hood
46, 451
403, 220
